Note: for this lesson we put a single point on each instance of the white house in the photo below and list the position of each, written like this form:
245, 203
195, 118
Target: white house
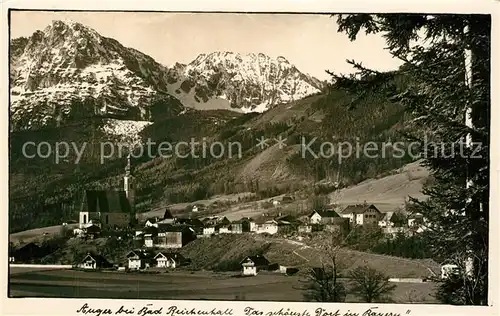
151, 222
415, 220
322, 217
139, 232
195, 209
362, 214
78, 232
135, 261
88, 263
168, 260
283, 269
304, 228
249, 268
226, 229
93, 262
164, 261
139, 259
148, 240
447, 270
269, 226
252, 264
209, 230
315, 218
386, 220
252, 226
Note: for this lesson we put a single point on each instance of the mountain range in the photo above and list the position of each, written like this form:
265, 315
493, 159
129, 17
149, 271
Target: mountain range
70, 72
70, 84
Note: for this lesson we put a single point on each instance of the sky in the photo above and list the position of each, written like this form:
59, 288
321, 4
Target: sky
310, 42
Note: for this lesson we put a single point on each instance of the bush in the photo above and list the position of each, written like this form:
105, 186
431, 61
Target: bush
324, 285
228, 265
266, 205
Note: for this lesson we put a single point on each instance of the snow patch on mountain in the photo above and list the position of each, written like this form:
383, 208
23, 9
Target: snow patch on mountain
249, 82
125, 131
259, 108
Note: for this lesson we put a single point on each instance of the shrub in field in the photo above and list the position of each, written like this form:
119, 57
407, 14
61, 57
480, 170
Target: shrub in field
370, 285
229, 265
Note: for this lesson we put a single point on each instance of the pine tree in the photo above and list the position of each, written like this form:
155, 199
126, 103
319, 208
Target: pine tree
438, 98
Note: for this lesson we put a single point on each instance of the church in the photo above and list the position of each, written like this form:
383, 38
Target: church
109, 208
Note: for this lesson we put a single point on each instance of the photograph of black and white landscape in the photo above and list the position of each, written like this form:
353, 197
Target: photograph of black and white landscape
249, 156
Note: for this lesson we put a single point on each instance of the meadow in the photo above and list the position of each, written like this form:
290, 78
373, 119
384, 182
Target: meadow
200, 285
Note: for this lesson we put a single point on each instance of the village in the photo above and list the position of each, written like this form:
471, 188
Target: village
249, 156
157, 240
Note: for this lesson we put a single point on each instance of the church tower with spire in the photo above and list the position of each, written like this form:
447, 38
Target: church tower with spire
129, 184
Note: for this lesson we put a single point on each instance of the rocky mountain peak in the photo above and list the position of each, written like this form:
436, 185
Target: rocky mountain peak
69, 71
250, 82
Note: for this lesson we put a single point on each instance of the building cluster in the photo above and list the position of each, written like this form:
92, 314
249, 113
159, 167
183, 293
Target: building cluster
252, 265
141, 260
391, 223
264, 224
174, 232
114, 210
135, 260
103, 211
167, 232
108, 210
357, 215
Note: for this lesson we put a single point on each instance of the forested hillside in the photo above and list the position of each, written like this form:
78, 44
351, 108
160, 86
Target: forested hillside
43, 192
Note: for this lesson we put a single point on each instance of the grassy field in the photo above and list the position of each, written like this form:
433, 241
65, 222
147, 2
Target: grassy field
387, 193
36, 234
180, 285
180, 208
207, 253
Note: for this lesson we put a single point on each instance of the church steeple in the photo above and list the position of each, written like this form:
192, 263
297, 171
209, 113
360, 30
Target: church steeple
129, 183
127, 167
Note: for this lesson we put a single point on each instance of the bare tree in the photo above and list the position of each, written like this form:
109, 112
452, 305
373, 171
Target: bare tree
319, 202
370, 284
412, 296
323, 282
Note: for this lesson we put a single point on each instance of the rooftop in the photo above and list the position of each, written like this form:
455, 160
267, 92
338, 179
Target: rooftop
359, 208
326, 213
106, 201
258, 260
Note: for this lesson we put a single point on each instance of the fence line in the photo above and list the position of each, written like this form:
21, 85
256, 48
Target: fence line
48, 266
406, 280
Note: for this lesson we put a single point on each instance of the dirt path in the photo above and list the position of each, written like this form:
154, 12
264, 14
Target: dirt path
392, 266
37, 233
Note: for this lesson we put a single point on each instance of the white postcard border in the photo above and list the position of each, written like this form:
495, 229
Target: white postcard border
49, 306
